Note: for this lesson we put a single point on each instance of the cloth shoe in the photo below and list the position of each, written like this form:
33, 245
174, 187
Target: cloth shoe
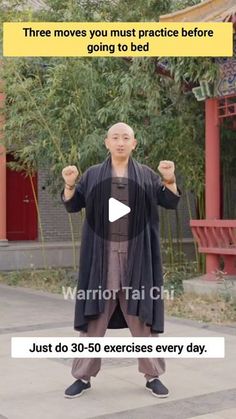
76, 389
157, 388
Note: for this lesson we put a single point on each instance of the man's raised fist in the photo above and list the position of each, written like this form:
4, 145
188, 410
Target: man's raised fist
167, 169
70, 174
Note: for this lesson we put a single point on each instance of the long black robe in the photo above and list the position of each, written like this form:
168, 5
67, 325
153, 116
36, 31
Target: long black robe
144, 257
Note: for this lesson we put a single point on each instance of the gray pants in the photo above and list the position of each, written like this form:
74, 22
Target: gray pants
84, 368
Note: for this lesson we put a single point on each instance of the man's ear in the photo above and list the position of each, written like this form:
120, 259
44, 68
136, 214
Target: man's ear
105, 142
135, 144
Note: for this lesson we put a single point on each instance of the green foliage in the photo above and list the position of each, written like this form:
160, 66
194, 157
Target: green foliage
51, 279
59, 109
181, 4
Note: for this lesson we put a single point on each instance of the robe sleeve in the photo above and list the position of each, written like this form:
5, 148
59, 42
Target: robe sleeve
164, 196
77, 201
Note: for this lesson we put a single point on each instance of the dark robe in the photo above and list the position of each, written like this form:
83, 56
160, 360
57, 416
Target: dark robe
144, 256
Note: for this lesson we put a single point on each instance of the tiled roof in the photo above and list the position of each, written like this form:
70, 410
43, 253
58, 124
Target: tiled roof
36, 4
32, 4
206, 11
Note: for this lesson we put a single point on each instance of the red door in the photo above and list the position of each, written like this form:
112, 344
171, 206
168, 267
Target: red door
21, 208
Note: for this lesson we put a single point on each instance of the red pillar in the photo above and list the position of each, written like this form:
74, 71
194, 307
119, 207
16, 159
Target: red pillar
212, 172
3, 239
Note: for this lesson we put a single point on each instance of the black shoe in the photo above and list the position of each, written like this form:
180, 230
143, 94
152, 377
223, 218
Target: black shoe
157, 388
76, 389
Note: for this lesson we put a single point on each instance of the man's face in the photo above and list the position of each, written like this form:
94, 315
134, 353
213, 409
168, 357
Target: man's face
120, 141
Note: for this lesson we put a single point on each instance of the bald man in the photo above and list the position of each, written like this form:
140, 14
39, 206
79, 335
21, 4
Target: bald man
125, 255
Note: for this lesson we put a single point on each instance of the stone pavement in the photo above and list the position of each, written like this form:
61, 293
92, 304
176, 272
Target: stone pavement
199, 388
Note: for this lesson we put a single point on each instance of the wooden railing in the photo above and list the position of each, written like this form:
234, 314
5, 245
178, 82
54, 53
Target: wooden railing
217, 237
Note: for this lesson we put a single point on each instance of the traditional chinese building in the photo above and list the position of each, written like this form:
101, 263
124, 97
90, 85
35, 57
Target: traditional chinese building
216, 237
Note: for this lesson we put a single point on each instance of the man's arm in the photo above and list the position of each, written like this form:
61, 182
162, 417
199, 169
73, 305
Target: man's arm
73, 194
168, 195
74, 200
172, 187
166, 190
68, 192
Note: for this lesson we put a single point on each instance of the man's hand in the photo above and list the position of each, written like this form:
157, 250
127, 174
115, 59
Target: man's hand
167, 169
70, 174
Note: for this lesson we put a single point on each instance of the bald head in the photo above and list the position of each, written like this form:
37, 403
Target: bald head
120, 141
120, 127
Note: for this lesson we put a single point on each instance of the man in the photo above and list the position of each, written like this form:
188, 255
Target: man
120, 256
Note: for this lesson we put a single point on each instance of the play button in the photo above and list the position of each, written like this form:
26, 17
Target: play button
109, 210
117, 210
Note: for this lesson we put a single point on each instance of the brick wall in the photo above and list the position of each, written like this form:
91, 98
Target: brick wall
182, 223
54, 218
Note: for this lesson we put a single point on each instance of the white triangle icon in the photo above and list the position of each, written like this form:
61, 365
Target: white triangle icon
117, 210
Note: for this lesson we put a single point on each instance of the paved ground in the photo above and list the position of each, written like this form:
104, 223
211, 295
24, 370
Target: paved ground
199, 388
